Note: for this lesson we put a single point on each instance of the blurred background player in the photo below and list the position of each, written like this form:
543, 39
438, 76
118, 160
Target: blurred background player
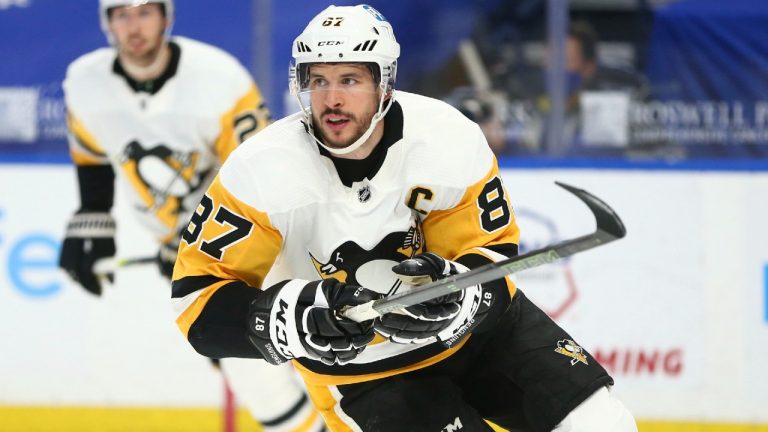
161, 114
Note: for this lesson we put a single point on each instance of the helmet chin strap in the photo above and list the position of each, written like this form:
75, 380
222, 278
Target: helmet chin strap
382, 111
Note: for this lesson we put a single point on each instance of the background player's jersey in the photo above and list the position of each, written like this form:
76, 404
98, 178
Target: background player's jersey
164, 146
278, 210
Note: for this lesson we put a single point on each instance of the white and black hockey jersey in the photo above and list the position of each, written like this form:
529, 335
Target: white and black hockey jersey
279, 210
164, 145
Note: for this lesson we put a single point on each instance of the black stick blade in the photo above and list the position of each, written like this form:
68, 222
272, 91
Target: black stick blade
607, 219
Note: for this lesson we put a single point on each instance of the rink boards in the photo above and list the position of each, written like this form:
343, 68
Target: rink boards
676, 311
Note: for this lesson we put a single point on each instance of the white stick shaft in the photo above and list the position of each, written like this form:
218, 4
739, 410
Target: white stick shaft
112, 264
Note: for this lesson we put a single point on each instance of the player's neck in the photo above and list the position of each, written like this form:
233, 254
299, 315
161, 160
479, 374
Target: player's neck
148, 71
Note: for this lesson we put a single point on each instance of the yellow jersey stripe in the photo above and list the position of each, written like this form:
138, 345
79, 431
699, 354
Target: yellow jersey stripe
311, 377
191, 313
452, 231
326, 403
264, 242
249, 115
88, 151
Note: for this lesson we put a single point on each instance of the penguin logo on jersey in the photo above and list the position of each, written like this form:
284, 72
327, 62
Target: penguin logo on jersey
353, 264
162, 178
571, 349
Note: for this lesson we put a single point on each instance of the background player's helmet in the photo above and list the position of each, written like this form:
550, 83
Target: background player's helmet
105, 5
347, 34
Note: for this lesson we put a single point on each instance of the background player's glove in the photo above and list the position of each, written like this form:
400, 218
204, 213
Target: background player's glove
448, 318
166, 258
90, 237
297, 318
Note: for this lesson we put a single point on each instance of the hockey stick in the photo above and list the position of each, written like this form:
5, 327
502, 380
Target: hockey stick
609, 228
109, 265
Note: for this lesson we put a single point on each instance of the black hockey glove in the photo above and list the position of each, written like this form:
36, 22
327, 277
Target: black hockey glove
166, 258
90, 237
297, 318
448, 319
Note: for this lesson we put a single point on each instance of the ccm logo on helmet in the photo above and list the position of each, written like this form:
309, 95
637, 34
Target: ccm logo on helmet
330, 43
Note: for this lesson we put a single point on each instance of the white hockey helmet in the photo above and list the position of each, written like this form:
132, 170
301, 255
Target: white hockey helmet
347, 34
106, 5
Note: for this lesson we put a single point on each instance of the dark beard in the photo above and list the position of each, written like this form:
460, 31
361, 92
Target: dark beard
150, 56
352, 119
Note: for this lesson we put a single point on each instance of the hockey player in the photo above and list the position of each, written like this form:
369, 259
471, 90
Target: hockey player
160, 115
362, 193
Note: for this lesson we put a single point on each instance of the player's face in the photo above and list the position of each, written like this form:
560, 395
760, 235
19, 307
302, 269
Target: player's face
138, 32
574, 61
344, 98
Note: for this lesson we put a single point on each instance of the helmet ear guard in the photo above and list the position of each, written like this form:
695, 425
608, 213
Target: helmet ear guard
347, 34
